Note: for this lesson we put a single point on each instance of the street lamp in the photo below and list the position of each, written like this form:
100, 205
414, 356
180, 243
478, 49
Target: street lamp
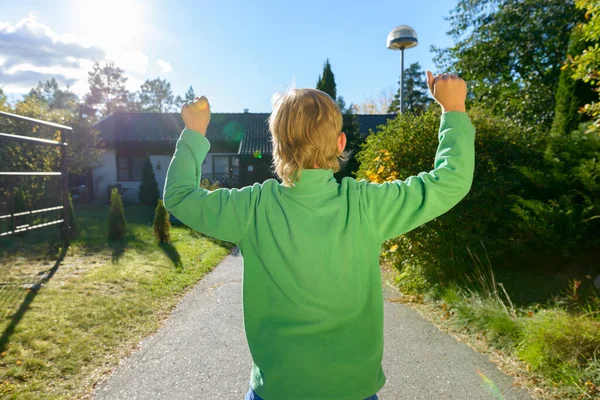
400, 38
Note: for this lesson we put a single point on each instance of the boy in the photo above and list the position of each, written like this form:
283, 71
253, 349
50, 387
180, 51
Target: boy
312, 296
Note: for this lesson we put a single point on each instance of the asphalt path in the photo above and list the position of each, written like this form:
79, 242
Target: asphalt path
201, 353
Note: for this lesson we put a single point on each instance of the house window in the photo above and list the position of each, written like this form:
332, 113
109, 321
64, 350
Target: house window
228, 165
129, 168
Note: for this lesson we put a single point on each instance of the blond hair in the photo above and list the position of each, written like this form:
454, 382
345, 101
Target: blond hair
305, 124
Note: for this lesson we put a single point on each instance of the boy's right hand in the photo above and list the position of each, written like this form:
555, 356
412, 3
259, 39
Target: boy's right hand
448, 90
196, 115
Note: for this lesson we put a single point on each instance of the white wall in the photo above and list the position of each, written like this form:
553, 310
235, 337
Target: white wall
161, 173
105, 174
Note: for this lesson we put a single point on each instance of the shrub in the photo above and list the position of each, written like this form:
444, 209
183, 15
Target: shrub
438, 250
557, 343
162, 225
117, 225
73, 230
149, 192
208, 184
562, 209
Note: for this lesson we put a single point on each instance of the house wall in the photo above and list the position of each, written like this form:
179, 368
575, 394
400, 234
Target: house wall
104, 174
160, 165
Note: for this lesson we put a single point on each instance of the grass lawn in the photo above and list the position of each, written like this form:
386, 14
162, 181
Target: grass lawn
69, 315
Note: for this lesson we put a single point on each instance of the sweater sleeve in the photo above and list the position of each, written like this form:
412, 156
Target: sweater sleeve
223, 213
394, 208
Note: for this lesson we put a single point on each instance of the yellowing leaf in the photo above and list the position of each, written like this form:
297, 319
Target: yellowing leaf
393, 248
19, 362
380, 170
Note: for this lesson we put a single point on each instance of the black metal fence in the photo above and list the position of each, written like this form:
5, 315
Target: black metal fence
33, 176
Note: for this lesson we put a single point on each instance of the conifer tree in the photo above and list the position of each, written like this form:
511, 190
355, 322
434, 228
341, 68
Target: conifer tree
326, 81
149, 192
117, 225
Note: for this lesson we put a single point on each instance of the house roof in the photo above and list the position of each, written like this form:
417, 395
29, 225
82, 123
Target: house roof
249, 130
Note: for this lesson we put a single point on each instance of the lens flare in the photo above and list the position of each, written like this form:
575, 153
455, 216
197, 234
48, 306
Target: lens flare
490, 386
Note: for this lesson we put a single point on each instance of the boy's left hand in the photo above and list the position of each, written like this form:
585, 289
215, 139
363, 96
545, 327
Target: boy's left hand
196, 115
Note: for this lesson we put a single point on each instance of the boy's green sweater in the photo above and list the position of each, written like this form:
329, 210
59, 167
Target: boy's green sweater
312, 294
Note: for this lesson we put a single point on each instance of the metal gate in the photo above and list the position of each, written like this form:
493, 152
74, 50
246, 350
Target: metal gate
33, 192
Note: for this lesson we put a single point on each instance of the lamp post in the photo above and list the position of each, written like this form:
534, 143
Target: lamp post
400, 38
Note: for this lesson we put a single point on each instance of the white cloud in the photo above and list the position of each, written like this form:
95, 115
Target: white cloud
164, 66
32, 52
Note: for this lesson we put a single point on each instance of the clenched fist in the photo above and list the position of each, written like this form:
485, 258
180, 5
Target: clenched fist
448, 90
196, 114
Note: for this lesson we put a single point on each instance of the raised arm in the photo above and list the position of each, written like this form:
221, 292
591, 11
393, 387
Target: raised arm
394, 208
223, 213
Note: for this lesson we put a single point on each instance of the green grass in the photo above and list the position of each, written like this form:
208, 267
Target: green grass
559, 348
95, 305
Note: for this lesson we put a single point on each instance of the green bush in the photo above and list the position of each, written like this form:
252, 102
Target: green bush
162, 226
562, 209
117, 225
149, 192
438, 250
73, 230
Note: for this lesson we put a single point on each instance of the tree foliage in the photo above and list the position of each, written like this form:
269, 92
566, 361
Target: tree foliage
587, 64
416, 98
437, 250
326, 82
107, 88
55, 98
510, 53
162, 225
189, 95
156, 96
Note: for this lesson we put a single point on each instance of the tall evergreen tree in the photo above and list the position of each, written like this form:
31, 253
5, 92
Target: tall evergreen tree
351, 128
149, 193
416, 99
571, 94
326, 81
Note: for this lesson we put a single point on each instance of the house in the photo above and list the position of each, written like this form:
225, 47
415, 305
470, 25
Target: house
240, 152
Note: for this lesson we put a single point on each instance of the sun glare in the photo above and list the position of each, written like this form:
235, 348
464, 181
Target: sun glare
112, 24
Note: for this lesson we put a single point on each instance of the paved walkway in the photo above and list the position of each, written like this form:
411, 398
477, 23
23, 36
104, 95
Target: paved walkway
202, 353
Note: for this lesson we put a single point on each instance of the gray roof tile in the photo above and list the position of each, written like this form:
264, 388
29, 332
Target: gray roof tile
250, 130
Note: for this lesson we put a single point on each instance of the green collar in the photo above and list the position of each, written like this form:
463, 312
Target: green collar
314, 180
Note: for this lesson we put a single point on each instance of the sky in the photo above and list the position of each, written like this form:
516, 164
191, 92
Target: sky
237, 53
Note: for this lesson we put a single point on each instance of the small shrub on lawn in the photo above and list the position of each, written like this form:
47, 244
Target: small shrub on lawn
149, 193
162, 226
74, 228
117, 225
